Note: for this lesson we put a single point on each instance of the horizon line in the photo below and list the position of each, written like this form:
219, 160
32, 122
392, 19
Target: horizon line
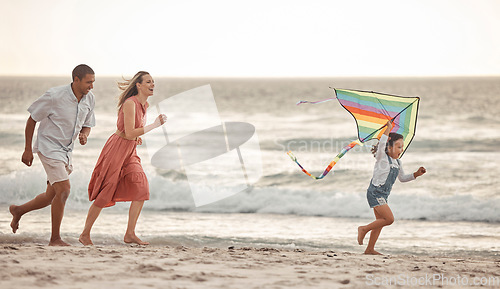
277, 77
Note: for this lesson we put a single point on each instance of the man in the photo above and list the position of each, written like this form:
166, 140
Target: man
64, 113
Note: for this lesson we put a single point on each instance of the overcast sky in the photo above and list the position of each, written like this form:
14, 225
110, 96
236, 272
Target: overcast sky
252, 37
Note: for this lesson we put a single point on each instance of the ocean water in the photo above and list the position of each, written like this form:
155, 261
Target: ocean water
453, 209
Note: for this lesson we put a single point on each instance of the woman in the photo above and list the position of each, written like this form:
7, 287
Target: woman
118, 175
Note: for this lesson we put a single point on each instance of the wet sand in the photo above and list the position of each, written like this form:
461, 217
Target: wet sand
40, 266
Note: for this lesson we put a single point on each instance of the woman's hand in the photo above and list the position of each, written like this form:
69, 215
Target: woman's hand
139, 141
160, 120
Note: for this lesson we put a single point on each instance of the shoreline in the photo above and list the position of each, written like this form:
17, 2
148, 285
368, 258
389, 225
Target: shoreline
134, 266
282, 232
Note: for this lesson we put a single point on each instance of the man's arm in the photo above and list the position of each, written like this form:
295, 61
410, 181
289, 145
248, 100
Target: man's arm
84, 134
27, 157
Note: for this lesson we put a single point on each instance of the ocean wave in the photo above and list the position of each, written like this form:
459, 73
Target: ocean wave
168, 193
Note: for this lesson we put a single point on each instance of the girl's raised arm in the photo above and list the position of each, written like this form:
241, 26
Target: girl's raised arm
388, 128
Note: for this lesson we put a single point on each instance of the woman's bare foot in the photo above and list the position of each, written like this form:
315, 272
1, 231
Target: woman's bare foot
85, 240
372, 252
58, 242
132, 238
16, 216
361, 234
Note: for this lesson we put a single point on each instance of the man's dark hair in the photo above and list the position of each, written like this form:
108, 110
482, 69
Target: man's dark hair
81, 70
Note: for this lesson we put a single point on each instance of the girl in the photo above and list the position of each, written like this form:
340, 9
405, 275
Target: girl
387, 168
118, 175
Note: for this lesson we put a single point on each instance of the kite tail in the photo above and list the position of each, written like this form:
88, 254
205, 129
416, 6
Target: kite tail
330, 166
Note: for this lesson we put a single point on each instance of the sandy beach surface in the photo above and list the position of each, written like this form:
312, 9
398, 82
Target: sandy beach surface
40, 266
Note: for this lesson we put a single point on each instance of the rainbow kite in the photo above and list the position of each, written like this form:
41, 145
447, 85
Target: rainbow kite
372, 110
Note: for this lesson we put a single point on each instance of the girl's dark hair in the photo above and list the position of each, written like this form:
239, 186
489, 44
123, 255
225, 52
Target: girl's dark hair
393, 137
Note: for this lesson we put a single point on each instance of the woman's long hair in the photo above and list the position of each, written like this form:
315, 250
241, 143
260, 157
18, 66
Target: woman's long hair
129, 87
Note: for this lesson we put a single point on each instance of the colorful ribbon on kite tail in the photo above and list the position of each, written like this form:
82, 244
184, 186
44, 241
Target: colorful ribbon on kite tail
336, 159
330, 166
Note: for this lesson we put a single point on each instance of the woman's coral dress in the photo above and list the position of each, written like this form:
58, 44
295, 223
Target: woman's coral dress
118, 175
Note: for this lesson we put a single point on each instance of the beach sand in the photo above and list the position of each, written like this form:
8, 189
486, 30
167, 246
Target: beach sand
125, 266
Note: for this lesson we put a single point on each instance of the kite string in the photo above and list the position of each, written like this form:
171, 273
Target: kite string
385, 110
315, 102
332, 98
319, 101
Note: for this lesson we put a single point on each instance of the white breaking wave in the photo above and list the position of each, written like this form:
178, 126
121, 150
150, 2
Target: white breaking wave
169, 195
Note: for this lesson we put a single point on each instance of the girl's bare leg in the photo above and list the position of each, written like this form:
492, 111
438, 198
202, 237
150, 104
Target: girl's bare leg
92, 215
370, 249
384, 217
133, 216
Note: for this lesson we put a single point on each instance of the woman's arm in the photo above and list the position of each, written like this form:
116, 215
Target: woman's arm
129, 121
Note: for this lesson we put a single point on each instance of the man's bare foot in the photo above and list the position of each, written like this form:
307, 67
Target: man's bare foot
58, 242
361, 234
85, 240
16, 216
132, 238
372, 252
